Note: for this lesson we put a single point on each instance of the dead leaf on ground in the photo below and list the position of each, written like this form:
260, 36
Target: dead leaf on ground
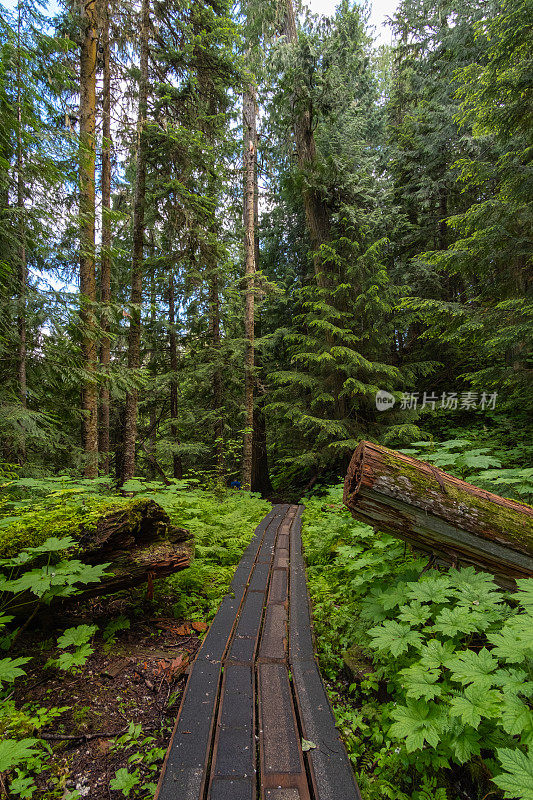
183, 630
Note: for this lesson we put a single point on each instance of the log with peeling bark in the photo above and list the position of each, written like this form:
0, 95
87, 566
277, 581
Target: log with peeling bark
456, 523
138, 542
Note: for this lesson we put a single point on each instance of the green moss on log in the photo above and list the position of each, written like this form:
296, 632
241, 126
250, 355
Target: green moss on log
468, 506
356, 663
66, 518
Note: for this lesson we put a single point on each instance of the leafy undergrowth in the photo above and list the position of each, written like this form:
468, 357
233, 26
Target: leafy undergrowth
68, 730
222, 527
438, 705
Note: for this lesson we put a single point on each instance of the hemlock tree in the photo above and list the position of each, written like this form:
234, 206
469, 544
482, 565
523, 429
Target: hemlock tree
489, 320
89, 345
338, 343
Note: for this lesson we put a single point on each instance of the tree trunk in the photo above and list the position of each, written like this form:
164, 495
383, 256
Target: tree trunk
151, 446
316, 212
89, 401
454, 521
218, 388
138, 542
22, 264
250, 166
260, 474
105, 262
134, 338
177, 467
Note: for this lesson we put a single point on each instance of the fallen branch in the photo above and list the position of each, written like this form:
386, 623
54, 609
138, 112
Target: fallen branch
63, 737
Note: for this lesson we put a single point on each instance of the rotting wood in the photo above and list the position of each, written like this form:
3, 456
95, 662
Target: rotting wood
136, 541
459, 524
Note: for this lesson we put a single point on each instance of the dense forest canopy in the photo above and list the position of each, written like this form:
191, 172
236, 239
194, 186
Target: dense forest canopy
225, 230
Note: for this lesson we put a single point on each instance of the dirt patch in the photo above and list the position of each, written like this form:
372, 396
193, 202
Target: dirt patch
120, 706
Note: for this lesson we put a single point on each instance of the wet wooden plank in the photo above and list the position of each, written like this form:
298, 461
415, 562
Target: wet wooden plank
260, 576
184, 769
232, 789
274, 636
234, 749
279, 743
279, 586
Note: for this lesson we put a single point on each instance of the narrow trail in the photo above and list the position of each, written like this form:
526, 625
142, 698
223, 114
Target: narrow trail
255, 691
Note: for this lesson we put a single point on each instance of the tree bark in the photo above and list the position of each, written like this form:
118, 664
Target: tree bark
218, 388
457, 523
250, 167
134, 338
260, 475
317, 215
87, 155
105, 261
151, 445
177, 467
22, 263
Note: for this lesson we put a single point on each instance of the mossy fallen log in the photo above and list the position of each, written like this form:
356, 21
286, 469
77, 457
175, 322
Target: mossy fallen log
137, 541
456, 523
140, 543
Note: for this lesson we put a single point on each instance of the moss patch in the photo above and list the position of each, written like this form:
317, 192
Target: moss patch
39, 521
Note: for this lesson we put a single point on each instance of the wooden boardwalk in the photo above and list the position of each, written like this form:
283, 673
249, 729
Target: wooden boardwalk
255, 691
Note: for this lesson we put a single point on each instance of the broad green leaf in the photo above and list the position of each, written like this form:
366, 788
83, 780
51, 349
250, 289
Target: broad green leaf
469, 667
421, 682
464, 741
435, 653
431, 589
451, 621
514, 642
476, 703
514, 681
23, 787
517, 718
53, 545
517, 780
418, 722
394, 637
525, 592
125, 781
13, 752
415, 613
453, 444
76, 636
10, 669
481, 461
78, 658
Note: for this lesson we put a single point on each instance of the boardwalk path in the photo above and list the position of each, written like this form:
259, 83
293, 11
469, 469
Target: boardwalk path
255, 691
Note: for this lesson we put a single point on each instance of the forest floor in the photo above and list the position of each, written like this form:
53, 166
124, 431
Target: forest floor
121, 705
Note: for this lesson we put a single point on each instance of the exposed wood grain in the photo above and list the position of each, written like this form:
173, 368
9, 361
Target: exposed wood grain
437, 513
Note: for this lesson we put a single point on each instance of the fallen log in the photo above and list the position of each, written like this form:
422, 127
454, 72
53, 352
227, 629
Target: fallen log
138, 542
456, 523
